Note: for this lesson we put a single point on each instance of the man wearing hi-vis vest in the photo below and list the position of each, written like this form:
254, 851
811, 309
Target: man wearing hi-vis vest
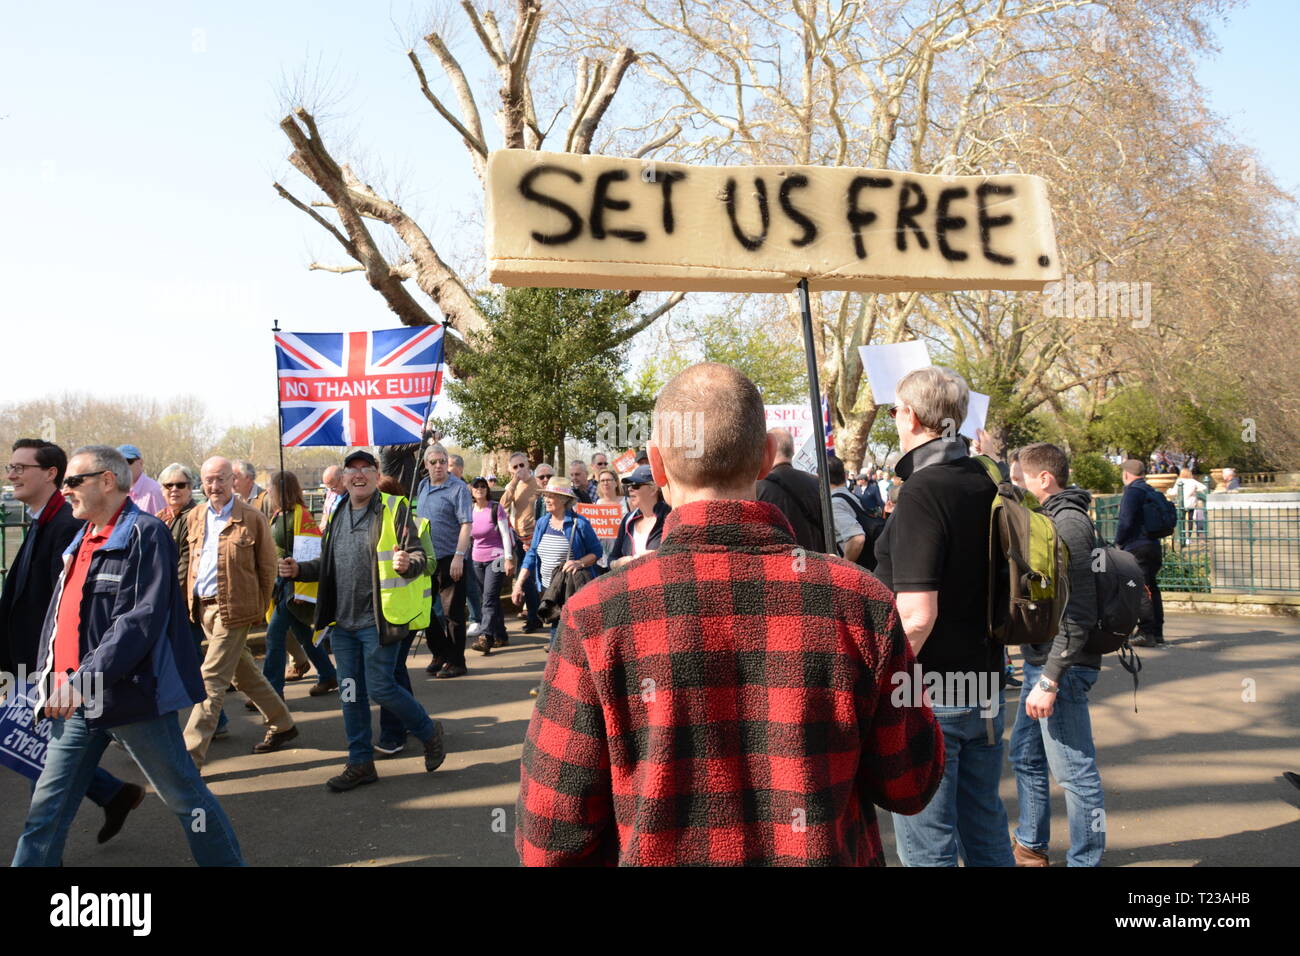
374, 589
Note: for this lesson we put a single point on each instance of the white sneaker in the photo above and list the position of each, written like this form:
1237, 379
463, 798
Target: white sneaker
474, 630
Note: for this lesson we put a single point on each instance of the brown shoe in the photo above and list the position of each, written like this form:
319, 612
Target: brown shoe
1027, 857
483, 645
321, 688
274, 741
296, 673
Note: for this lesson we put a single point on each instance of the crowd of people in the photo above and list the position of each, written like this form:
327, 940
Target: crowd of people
718, 688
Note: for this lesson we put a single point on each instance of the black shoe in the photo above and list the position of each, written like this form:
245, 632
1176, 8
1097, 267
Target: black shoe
274, 741
1291, 778
434, 752
452, 670
534, 628
353, 775
127, 799
435, 665
1013, 681
386, 750
1143, 640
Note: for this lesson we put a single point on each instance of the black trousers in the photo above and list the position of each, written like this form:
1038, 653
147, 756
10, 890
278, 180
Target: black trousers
1149, 557
450, 646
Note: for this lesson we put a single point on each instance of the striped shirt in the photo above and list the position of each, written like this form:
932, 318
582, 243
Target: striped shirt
552, 551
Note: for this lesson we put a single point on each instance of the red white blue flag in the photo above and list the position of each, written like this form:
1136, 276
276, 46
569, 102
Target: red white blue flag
358, 388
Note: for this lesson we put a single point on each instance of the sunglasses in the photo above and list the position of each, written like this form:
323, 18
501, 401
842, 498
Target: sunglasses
517, 465
175, 485
545, 477
634, 485
74, 481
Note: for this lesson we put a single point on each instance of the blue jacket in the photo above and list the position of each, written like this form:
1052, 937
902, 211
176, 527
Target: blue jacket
581, 543
134, 626
623, 543
1132, 529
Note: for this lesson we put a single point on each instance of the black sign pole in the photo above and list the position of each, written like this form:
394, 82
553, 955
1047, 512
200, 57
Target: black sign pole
279, 440
814, 397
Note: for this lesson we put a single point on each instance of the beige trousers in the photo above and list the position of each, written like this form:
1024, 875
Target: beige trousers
227, 662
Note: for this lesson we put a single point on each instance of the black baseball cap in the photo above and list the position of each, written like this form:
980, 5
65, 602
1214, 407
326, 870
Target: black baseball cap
365, 456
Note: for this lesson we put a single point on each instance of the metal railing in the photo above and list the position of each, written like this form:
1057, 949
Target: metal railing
13, 525
1252, 549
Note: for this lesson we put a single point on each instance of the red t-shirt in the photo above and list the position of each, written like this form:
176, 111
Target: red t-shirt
67, 628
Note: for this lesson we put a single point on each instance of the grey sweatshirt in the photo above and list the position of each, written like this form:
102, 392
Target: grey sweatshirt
1068, 510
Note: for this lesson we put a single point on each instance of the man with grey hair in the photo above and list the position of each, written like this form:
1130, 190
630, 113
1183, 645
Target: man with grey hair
231, 574
246, 486
934, 555
445, 501
117, 663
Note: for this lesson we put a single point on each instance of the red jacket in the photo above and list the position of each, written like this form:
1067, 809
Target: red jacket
724, 700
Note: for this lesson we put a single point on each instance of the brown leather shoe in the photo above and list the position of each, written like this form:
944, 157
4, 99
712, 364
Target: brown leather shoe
294, 672
1027, 857
321, 688
353, 775
274, 741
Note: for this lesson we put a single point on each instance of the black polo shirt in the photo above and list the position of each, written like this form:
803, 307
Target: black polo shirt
937, 539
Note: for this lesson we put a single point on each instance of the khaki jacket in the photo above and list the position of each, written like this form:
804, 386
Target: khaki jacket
518, 499
245, 564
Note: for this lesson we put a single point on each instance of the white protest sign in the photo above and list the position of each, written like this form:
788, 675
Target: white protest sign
806, 458
976, 414
568, 220
797, 419
885, 366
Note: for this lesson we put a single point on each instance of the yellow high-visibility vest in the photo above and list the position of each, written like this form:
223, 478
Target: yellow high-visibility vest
402, 600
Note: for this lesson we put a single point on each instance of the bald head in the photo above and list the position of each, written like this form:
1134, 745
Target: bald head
709, 434
332, 478
218, 480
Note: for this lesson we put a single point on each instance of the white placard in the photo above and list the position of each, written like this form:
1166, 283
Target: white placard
806, 459
976, 414
797, 419
885, 366
306, 548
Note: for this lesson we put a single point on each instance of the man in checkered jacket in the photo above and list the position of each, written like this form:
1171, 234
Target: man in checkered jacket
729, 698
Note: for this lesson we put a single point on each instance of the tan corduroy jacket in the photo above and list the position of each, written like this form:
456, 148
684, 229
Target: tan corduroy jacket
518, 499
245, 564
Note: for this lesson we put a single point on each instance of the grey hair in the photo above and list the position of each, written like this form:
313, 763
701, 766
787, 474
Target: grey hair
108, 458
248, 470
435, 448
519, 454
185, 470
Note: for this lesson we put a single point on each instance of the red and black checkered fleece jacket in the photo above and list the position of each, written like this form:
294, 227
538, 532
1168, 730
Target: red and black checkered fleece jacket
724, 700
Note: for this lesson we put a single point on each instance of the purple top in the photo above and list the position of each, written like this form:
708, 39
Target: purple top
486, 534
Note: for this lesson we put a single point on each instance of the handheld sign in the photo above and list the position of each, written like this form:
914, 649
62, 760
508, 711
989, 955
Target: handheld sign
886, 365
560, 219
604, 519
22, 745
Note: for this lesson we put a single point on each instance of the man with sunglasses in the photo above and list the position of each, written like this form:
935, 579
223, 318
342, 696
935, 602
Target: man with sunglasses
145, 492
522, 495
117, 663
36, 469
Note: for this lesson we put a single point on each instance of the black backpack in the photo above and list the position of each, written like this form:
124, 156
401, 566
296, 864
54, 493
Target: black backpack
1159, 516
871, 527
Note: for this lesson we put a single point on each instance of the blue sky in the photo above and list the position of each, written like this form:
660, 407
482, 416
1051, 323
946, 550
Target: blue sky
145, 247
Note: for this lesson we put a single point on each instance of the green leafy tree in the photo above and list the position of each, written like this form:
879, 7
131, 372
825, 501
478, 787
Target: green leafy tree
547, 363
774, 365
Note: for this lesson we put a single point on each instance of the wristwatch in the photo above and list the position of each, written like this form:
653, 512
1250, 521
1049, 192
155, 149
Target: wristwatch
1047, 685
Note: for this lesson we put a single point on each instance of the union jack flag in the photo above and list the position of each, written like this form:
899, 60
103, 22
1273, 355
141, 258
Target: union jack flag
358, 388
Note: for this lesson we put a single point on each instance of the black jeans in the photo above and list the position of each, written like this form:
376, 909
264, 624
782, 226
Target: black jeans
1149, 557
451, 646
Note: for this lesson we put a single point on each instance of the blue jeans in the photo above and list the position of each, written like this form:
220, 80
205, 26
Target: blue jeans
1062, 742
282, 622
532, 597
473, 594
391, 729
367, 667
966, 815
158, 749
103, 787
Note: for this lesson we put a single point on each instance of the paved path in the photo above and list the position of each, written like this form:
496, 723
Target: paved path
1192, 779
